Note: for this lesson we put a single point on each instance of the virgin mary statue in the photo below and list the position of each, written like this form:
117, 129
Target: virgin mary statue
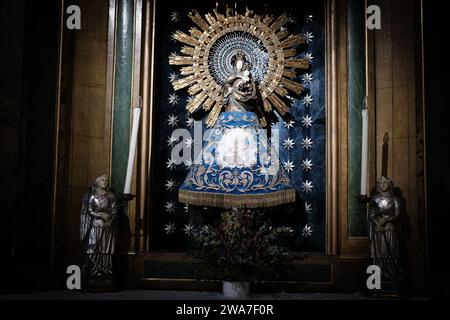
238, 167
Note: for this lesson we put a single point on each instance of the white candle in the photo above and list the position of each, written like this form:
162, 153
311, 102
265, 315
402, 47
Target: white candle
364, 150
132, 152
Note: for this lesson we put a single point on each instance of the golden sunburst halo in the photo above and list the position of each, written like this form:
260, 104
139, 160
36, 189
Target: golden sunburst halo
279, 46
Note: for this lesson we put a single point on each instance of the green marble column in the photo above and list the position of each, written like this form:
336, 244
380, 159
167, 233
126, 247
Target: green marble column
357, 221
122, 93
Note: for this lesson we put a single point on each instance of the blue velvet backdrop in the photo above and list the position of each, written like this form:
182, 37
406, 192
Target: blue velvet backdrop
307, 216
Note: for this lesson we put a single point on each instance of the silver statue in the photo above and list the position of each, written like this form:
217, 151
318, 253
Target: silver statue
384, 223
239, 90
98, 228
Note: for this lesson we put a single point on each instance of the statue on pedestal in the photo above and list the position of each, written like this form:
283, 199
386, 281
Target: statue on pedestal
384, 227
98, 228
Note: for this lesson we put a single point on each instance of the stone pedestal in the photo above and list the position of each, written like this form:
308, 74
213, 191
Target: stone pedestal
100, 284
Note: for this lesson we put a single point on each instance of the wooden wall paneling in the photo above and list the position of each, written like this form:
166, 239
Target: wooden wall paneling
400, 107
418, 192
383, 63
144, 155
395, 58
371, 105
349, 247
416, 242
332, 150
89, 140
343, 126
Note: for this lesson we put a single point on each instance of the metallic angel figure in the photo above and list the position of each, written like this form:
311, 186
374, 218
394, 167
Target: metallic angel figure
384, 226
98, 228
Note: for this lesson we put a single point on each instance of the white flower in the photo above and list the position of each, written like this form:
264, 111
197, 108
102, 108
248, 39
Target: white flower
307, 143
288, 166
170, 163
307, 186
307, 100
307, 231
190, 122
173, 76
170, 206
173, 99
174, 16
309, 37
172, 120
309, 18
307, 121
171, 141
288, 143
170, 185
188, 228
289, 124
307, 78
308, 207
169, 228
186, 208
307, 164
308, 56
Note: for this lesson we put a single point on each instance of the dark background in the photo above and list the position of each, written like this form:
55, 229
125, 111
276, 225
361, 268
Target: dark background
437, 84
28, 64
28, 72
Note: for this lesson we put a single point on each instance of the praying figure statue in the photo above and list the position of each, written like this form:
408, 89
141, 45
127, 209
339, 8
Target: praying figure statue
98, 228
384, 225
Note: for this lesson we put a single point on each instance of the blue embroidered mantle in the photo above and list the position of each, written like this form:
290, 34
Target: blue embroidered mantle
237, 167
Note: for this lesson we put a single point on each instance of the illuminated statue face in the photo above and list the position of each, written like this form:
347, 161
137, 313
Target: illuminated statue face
384, 184
239, 64
103, 182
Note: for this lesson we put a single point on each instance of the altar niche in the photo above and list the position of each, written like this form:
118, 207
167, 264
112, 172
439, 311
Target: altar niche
301, 133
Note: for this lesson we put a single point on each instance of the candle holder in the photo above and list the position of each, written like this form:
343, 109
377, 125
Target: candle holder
363, 200
126, 197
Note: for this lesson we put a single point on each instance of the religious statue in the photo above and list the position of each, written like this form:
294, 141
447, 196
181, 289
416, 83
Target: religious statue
241, 78
238, 167
384, 225
240, 91
98, 228
239, 88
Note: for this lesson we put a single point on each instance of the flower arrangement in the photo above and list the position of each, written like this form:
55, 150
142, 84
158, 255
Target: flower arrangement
242, 246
